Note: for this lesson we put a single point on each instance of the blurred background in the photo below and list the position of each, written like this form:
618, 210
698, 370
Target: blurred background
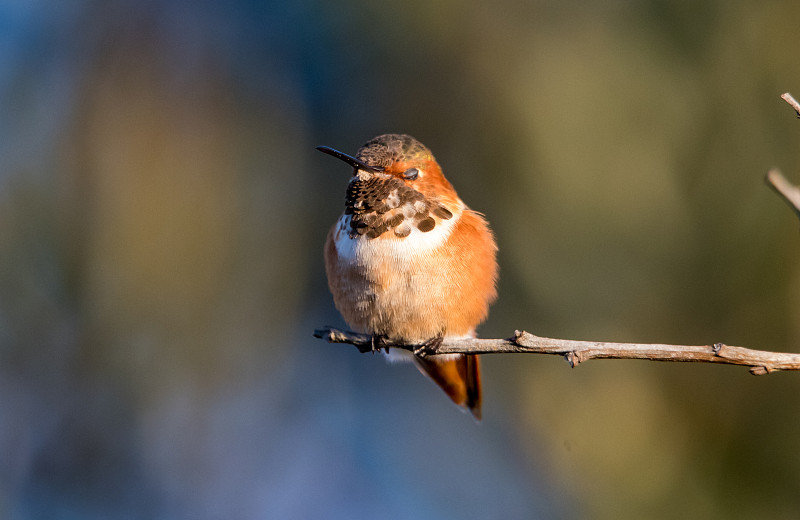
162, 215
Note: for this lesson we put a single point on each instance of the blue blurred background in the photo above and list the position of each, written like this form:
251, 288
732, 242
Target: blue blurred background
162, 215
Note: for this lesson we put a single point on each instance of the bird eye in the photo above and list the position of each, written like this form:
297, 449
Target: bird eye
411, 174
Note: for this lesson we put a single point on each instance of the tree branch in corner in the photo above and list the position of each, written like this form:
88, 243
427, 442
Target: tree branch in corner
792, 102
788, 191
775, 179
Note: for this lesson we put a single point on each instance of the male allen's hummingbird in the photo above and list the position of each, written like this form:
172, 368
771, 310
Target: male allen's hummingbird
409, 261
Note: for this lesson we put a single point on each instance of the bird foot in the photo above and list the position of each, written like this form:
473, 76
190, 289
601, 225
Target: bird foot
429, 347
379, 342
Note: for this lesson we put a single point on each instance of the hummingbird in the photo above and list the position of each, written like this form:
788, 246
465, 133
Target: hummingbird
408, 261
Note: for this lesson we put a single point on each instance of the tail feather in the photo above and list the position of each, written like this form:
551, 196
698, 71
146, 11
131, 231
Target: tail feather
458, 375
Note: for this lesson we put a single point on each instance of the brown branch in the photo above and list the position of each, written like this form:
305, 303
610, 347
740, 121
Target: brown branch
575, 352
775, 179
788, 191
792, 102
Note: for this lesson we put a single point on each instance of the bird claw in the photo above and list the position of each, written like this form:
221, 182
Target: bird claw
379, 342
429, 347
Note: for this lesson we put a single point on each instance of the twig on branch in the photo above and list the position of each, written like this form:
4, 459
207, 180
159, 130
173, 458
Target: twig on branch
575, 352
792, 101
788, 191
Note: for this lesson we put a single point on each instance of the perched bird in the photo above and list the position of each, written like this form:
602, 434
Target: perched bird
409, 261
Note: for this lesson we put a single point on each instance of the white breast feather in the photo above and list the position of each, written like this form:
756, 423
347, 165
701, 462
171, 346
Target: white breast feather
417, 242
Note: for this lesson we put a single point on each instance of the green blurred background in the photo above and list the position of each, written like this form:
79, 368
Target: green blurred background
162, 215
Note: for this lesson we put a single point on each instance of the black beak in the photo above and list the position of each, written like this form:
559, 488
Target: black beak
349, 159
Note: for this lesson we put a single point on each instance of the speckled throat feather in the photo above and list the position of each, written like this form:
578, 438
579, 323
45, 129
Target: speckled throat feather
382, 203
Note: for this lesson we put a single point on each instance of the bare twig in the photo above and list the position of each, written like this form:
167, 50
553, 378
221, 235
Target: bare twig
788, 191
575, 352
792, 101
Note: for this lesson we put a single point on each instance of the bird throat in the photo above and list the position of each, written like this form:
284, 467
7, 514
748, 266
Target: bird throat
380, 204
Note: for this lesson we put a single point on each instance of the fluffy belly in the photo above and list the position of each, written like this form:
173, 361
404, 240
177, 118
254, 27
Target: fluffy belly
396, 287
403, 300
414, 288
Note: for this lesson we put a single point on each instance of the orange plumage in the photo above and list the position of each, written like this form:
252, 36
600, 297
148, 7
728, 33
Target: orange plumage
408, 260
